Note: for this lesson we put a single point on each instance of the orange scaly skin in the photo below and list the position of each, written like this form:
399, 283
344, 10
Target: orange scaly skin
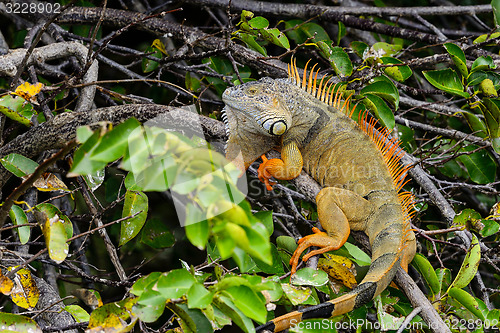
357, 166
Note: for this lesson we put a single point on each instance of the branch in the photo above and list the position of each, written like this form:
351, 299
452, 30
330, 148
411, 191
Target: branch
55, 133
10, 62
341, 14
159, 27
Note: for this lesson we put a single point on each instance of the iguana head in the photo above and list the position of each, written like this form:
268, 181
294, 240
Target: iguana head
260, 102
255, 118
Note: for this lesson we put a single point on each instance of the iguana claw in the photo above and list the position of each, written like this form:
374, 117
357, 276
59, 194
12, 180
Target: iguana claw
318, 238
264, 175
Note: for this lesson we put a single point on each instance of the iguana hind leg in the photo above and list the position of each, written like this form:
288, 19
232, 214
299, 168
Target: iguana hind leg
339, 211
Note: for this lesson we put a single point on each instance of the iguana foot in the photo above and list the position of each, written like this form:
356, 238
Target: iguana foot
264, 175
319, 239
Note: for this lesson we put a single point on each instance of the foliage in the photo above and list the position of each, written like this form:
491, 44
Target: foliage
130, 182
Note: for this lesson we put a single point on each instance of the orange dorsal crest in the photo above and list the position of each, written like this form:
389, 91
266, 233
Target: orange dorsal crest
389, 147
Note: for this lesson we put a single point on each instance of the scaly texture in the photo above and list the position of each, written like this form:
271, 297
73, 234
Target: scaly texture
356, 164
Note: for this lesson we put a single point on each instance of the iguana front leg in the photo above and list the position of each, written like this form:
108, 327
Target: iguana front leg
339, 211
286, 168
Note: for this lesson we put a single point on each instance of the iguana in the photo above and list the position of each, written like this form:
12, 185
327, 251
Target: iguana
355, 163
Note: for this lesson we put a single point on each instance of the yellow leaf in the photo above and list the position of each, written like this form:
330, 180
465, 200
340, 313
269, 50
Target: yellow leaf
28, 91
49, 182
159, 45
339, 268
25, 292
6, 284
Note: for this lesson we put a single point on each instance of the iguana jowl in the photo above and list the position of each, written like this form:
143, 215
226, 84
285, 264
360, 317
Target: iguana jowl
357, 166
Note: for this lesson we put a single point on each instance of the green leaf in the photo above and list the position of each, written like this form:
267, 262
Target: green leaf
398, 73
425, 269
296, 295
493, 318
16, 323
286, 243
476, 78
175, 284
259, 22
338, 58
382, 49
199, 297
276, 37
341, 31
78, 313
468, 301
149, 65
251, 43
480, 165
197, 232
276, 267
156, 234
309, 277
144, 283
266, 218
151, 297
458, 57
149, 313
192, 82
248, 302
82, 164
190, 317
340, 61
357, 255
380, 109
259, 245
299, 32
56, 228
383, 87
135, 202
113, 144
19, 165
466, 216
226, 305
491, 111
469, 266
476, 124
490, 228
360, 48
17, 109
444, 278
485, 37
18, 216
446, 80
483, 63
83, 133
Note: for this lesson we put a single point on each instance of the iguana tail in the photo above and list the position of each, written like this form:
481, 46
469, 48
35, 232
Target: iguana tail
379, 276
393, 245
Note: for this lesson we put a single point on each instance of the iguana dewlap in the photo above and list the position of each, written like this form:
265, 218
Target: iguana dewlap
357, 166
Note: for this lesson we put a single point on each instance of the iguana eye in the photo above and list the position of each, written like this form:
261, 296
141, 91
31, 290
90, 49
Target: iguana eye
251, 91
278, 128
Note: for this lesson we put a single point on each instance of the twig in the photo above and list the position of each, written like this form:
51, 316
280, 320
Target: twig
25, 185
102, 232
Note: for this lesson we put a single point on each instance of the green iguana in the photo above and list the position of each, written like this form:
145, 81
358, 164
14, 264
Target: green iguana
356, 164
